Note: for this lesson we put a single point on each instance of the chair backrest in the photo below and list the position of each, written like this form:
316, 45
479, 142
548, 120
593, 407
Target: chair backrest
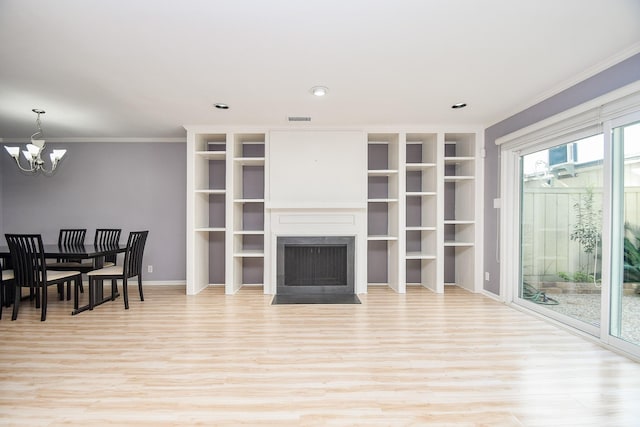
71, 237
108, 237
27, 258
133, 255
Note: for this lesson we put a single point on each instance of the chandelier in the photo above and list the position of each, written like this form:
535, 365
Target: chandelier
33, 152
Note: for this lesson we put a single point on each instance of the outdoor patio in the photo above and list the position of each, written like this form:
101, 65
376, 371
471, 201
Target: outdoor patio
586, 307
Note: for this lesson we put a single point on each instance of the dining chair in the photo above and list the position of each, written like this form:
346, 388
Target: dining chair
30, 270
70, 237
131, 267
6, 280
108, 237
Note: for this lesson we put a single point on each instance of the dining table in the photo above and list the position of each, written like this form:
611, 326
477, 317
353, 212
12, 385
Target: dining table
96, 253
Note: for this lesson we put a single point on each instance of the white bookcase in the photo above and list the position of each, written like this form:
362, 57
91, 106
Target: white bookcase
206, 202
225, 210
423, 207
248, 211
383, 213
423, 210
460, 210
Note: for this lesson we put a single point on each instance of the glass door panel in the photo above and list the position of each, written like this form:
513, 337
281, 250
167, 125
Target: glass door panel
560, 231
625, 300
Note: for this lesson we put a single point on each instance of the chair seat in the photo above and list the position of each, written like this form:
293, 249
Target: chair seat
108, 264
71, 264
114, 270
57, 275
7, 275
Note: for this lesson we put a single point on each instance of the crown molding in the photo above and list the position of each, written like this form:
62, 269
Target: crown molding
126, 140
578, 78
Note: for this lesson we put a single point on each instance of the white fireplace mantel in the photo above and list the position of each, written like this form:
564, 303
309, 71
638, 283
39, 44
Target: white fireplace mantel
324, 221
316, 187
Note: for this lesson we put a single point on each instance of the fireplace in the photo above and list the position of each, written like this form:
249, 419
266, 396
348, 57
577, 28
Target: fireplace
315, 265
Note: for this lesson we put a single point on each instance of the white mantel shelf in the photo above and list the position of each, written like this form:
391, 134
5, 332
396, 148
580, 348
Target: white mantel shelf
316, 206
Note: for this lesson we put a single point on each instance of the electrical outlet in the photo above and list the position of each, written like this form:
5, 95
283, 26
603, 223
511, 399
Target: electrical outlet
486, 276
150, 269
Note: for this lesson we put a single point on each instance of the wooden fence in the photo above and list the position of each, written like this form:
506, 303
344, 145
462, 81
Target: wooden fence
548, 218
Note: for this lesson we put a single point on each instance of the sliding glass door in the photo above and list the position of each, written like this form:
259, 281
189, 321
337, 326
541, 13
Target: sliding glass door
561, 197
570, 218
579, 233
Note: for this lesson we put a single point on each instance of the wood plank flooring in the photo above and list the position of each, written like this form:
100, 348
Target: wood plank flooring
418, 359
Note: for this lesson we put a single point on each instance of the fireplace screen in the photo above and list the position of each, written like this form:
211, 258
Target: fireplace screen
315, 265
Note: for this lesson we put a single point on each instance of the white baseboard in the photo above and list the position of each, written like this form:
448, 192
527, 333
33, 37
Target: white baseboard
161, 282
134, 281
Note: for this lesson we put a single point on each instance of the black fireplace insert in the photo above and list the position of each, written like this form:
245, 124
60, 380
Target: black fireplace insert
315, 265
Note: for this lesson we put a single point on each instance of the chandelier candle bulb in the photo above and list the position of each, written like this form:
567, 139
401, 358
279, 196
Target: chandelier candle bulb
13, 151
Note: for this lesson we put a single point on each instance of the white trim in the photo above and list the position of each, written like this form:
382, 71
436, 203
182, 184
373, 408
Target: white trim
606, 107
509, 224
162, 283
607, 222
480, 160
368, 129
119, 139
491, 295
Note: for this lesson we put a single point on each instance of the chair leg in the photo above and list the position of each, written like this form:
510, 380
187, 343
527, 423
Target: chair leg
16, 303
68, 290
125, 293
91, 284
114, 289
75, 293
61, 291
8, 294
140, 288
43, 317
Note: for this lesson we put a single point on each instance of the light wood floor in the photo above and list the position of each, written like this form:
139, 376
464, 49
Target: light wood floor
395, 360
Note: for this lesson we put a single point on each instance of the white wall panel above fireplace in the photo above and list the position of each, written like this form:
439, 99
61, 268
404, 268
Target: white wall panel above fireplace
316, 169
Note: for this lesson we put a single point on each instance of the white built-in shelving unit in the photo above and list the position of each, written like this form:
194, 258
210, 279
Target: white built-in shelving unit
248, 210
225, 210
383, 214
207, 182
460, 209
423, 205
422, 209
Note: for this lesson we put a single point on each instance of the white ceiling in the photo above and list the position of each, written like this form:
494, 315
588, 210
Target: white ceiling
145, 68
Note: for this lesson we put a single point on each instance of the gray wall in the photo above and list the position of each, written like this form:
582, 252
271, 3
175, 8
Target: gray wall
615, 77
133, 186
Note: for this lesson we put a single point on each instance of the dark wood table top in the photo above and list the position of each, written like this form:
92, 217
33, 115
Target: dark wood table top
78, 252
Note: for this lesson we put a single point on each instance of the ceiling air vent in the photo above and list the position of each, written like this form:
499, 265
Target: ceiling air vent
298, 119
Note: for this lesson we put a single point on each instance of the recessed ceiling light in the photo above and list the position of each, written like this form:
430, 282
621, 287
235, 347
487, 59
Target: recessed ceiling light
459, 105
221, 106
319, 90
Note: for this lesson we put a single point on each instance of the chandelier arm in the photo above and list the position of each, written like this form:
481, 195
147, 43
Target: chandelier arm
48, 172
17, 159
37, 133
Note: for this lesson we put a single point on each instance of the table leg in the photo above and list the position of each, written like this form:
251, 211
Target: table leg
98, 292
